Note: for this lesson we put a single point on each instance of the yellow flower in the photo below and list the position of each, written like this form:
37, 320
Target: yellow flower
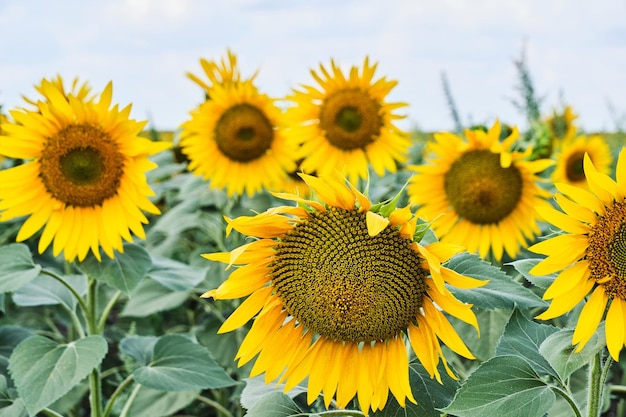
569, 159
480, 193
345, 124
591, 255
334, 289
80, 90
83, 180
561, 125
223, 72
236, 140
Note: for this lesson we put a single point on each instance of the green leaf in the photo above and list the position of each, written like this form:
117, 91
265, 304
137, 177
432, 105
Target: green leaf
174, 275
123, 272
150, 297
429, 394
153, 403
43, 370
558, 350
501, 291
522, 338
140, 348
503, 386
179, 364
45, 290
256, 390
275, 404
10, 336
523, 266
16, 409
16, 267
491, 324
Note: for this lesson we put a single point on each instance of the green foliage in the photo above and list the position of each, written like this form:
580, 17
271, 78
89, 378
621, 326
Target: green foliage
44, 370
16, 267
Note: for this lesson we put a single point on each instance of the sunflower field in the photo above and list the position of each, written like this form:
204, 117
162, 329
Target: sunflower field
304, 256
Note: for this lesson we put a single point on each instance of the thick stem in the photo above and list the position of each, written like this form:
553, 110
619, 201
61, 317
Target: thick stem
595, 386
95, 385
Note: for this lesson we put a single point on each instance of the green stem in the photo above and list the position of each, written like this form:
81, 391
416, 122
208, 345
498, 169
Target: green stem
51, 413
130, 400
75, 293
567, 397
107, 310
95, 385
595, 386
121, 387
219, 407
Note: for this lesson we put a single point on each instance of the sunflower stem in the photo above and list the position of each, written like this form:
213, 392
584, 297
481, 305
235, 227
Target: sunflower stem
79, 298
95, 385
130, 400
219, 407
107, 310
567, 397
120, 388
595, 387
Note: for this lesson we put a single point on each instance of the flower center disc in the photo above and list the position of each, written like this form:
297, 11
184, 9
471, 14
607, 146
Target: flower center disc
480, 190
344, 284
81, 165
243, 133
574, 167
350, 119
607, 250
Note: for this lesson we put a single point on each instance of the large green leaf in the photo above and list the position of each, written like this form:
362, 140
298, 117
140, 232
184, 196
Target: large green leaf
501, 291
16, 267
43, 370
153, 403
502, 386
122, 272
45, 290
275, 404
10, 336
256, 390
176, 276
179, 364
523, 266
558, 350
140, 348
150, 297
429, 394
522, 338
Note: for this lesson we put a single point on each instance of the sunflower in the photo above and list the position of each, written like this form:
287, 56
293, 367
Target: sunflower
223, 72
345, 124
569, 159
83, 180
334, 287
480, 193
591, 255
235, 140
561, 125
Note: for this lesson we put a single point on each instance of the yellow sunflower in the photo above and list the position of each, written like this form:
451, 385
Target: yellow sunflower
236, 140
345, 124
591, 255
224, 72
569, 159
334, 287
480, 193
561, 125
83, 180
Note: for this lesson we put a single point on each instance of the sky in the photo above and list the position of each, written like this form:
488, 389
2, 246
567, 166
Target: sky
575, 51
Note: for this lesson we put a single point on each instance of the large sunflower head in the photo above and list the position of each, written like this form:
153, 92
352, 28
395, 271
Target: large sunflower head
334, 288
480, 193
223, 72
590, 255
569, 159
561, 124
236, 140
83, 180
345, 124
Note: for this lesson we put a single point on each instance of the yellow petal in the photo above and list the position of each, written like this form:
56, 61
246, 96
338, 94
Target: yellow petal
246, 310
375, 223
568, 279
615, 328
590, 317
567, 301
562, 221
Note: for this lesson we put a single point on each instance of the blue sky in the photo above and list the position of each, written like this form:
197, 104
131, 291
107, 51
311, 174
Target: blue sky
576, 51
